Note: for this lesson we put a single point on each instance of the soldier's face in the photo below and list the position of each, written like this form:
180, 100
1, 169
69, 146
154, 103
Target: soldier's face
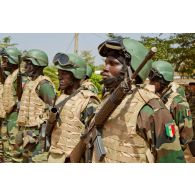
112, 68
4, 63
111, 71
29, 68
66, 79
157, 85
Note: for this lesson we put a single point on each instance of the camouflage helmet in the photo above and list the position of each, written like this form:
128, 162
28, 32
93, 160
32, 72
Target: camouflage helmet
37, 57
71, 63
164, 68
135, 49
12, 54
89, 71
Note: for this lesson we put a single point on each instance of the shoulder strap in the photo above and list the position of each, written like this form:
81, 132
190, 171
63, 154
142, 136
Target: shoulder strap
62, 103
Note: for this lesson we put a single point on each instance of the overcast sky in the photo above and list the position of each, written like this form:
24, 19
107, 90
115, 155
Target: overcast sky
52, 43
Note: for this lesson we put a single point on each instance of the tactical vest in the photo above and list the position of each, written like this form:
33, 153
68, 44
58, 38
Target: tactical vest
66, 135
33, 110
2, 111
89, 85
9, 99
120, 139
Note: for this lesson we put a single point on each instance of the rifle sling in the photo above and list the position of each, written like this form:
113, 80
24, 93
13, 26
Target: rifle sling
62, 103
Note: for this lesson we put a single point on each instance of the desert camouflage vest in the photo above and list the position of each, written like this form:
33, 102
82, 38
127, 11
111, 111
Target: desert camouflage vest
9, 99
33, 111
89, 85
66, 135
120, 139
2, 111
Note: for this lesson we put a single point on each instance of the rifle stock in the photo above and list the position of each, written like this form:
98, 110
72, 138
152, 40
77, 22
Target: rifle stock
93, 134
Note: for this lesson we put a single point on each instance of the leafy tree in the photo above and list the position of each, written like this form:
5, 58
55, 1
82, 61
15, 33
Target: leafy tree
52, 73
89, 58
6, 42
164, 49
184, 53
112, 36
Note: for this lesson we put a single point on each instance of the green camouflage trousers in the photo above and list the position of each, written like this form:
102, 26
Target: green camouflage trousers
12, 152
33, 146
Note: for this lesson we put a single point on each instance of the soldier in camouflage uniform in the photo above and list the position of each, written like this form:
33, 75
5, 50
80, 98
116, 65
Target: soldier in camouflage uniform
78, 103
190, 156
36, 100
161, 75
140, 129
2, 111
9, 130
87, 80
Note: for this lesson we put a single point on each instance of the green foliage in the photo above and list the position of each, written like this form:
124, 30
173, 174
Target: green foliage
52, 73
90, 60
88, 57
112, 36
163, 47
184, 53
178, 49
6, 42
95, 79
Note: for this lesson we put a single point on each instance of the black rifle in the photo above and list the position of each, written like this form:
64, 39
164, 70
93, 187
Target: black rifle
19, 82
92, 139
50, 124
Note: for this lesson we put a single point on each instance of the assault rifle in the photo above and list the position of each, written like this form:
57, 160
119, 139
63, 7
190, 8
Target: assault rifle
91, 139
50, 124
19, 83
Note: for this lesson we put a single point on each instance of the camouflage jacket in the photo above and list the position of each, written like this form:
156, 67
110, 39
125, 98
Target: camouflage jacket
152, 126
180, 111
191, 100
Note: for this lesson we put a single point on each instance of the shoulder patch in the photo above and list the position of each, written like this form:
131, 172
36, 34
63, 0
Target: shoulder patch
188, 112
170, 129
